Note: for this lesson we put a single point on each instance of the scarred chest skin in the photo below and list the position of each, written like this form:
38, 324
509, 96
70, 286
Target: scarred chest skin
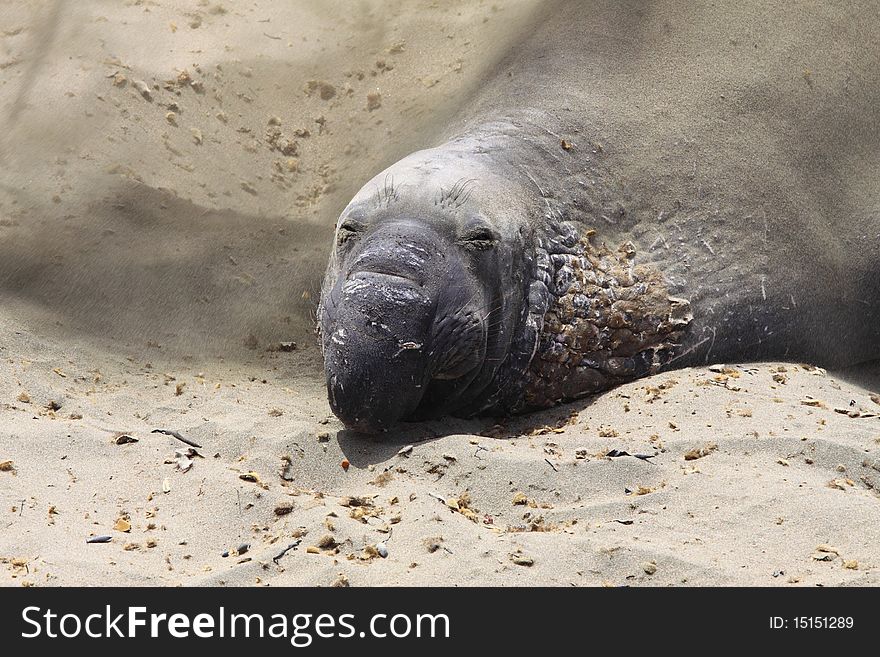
609, 320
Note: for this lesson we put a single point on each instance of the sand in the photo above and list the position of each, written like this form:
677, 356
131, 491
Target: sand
170, 173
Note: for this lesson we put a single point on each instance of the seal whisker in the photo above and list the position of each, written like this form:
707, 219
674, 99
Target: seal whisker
454, 196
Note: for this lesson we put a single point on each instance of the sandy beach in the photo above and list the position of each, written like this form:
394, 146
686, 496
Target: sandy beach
170, 175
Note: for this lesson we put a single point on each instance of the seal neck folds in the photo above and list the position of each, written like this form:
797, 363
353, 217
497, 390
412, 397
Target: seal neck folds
608, 321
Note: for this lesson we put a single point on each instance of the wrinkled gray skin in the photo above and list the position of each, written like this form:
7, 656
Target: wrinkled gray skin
740, 188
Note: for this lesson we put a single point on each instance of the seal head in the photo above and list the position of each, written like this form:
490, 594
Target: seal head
421, 300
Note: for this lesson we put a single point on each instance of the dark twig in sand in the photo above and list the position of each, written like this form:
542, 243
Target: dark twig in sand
168, 432
290, 547
555, 469
272, 37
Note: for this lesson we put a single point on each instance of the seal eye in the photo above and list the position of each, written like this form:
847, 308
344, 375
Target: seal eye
348, 230
480, 237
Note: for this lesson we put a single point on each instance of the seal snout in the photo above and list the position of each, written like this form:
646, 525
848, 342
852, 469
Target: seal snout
403, 327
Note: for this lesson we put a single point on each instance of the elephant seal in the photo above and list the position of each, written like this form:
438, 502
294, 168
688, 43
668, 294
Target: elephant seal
638, 187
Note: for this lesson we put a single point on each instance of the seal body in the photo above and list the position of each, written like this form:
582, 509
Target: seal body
607, 208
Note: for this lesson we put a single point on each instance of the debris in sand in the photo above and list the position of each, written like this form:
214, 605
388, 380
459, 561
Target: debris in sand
124, 439
374, 101
382, 549
286, 472
824, 547
382, 479
166, 485
175, 434
287, 346
346, 464
405, 451
355, 501
290, 547
700, 452
853, 413
816, 403
824, 556
851, 564
462, 505
521, 559
241, 549
433, 543
616, 453
323, 436
284, 508
520, 499
7, 466
143, 89
104, 538
325, 90
341, 581
24, 398
650, 567
840, 483
641, 490
875, 398
566, 145
252, 477
327, 542
608, 432
122, 525
184, 458
275, 412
